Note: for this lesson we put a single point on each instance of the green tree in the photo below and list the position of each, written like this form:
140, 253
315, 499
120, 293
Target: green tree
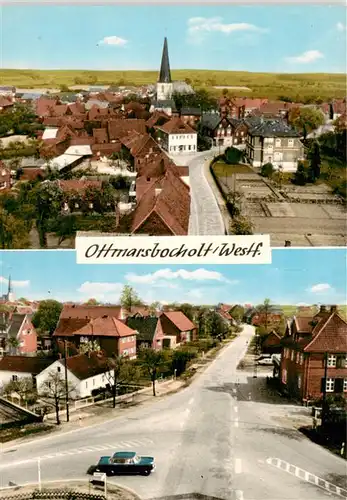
152, 362
12, 344
265, 309
129, 298
67, 227
215, 326
300, 176
180, 359
241, 225
14, 233
154, 308
120, 370
238, 313
47, 316
92, 302
90, 346
315, 161
24, 387
233, 156
49, 199
306, 119
267, 170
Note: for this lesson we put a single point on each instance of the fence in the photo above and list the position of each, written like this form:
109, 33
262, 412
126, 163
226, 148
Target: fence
55, 495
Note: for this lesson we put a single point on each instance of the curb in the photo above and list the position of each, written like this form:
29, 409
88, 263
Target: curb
77, 480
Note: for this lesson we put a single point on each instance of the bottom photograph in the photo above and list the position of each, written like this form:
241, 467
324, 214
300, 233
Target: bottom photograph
173, 382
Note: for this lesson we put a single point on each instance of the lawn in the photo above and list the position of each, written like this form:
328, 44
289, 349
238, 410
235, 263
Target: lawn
290, 311
296, 87
222, 169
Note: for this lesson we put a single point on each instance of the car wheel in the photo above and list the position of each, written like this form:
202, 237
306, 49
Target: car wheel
146, 472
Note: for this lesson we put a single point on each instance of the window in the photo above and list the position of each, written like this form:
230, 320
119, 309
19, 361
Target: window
290, 143
93, 382
330, 385
58, 369
87, 384
14, 378
278, 142
345, 385
299, 381
332, 360
284, 376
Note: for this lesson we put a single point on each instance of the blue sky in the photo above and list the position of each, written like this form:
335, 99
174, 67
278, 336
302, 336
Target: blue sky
269, 38
309, 276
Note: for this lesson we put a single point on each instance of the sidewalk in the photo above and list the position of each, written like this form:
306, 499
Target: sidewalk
218, 196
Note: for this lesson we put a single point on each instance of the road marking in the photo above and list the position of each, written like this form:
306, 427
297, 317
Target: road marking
236, 422
238, 466
307, 476
238, 495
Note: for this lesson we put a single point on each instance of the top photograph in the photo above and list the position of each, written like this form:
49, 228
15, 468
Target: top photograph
172, 120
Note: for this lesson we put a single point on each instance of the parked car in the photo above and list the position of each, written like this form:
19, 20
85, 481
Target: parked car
124, 462
265, 361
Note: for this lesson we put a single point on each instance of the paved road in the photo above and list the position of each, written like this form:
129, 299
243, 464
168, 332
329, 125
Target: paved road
213, 437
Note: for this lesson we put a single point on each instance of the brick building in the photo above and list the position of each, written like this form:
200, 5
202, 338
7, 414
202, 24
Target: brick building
310, 344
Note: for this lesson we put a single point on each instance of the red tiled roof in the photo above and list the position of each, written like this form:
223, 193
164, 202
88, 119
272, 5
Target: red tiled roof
180, 320
136, 142
119, 128
134, 106
84, 366
44, 106
24, 364
329, 335
106, 149
155, 117
171, 204
105, 326
30, 174
77, 108
5, 102
86, 311
176, 126
100, 135
303, 323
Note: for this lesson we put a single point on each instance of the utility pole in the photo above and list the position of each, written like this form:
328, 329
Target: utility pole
66, 383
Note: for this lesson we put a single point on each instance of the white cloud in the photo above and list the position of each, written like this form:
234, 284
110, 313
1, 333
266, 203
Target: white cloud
340, 27
200, 26
168, 274
15, 284
113, 40
101, 291
320, 287
306, 57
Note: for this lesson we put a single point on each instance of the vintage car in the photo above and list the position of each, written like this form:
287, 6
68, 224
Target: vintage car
125, 462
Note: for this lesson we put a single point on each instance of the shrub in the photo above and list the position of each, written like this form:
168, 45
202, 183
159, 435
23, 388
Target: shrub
267, 170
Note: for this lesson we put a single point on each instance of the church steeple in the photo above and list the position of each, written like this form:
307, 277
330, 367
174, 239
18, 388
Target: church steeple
10, 290
165, 73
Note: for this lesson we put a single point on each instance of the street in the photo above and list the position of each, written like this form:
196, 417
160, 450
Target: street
212, 437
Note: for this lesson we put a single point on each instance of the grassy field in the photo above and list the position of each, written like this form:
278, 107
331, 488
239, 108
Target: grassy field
274, 85
290, 311
222, 169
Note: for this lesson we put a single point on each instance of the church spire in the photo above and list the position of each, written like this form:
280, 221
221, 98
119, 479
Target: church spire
165, 73
10, 290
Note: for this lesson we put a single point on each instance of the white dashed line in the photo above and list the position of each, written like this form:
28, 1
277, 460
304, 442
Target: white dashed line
307, 476
238, 466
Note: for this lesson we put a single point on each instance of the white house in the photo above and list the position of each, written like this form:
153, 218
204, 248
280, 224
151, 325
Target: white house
176, 137
85, 373
13, 368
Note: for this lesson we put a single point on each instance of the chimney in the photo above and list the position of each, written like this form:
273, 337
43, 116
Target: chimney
333, 309
322, 309
157, 192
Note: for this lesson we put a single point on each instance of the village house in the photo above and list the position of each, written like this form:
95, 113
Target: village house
81, 324
17, 334
271, 343
86, 373
311, 347
222, 130
141, 147
6, 103
13, 368
175, 136
167, 330
275, 142
190, 116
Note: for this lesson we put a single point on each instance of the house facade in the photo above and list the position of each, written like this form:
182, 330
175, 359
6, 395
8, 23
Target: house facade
100, 324
17, 335
13, 368
224, 130
312, 348
85, 374
177, 137
273, 141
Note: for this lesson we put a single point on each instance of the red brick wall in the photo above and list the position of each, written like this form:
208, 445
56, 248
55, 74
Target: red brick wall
316, 373
29, 339
127, 346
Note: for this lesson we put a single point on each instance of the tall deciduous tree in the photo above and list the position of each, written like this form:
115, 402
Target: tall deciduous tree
54, 388
265, 310
306, 119
120, 371
129, 298
151, 361
314, 157
13, 232
47, 316
49, 198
